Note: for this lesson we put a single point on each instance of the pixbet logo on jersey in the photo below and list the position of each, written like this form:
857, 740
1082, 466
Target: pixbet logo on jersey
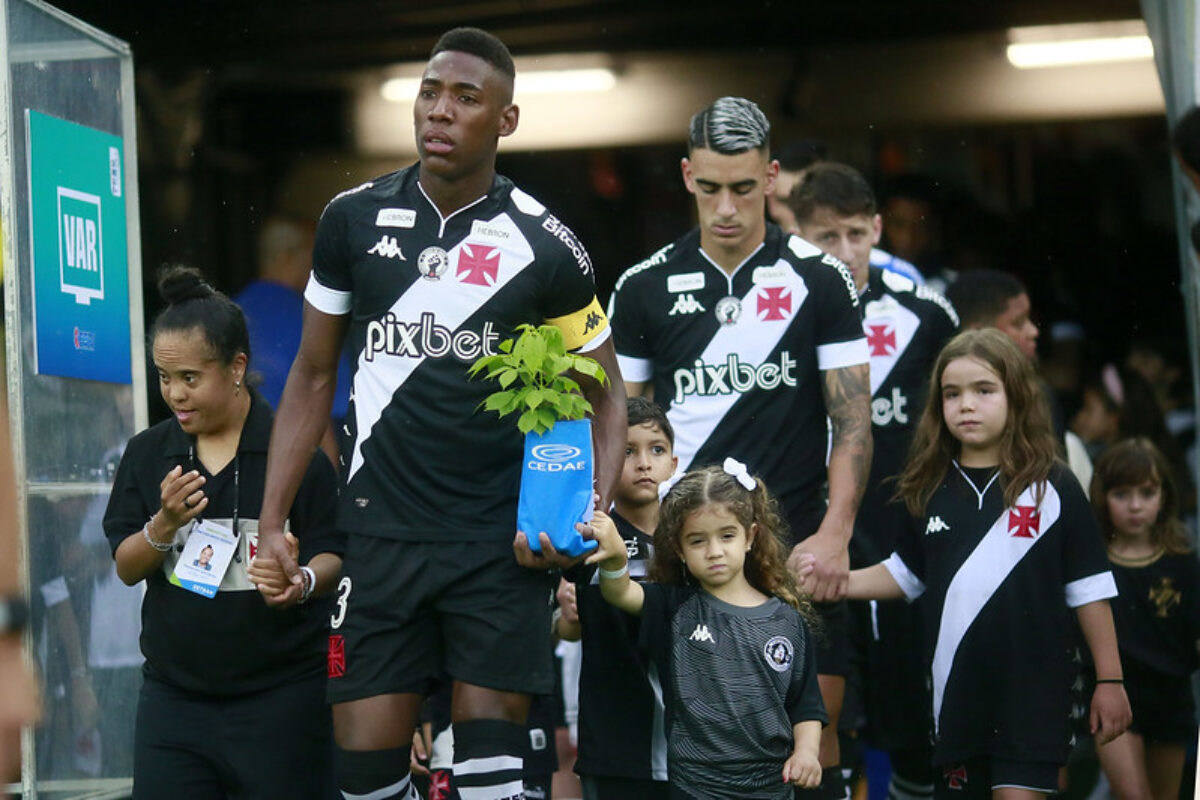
884, 410
733, 376
556, 458
427, 339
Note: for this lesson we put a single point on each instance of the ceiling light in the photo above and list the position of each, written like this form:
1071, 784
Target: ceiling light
1086, 43
404, 90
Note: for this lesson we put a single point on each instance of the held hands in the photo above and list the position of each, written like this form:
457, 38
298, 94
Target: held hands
182, 497
1110, 715
277, 590
567, 603
611, 553
821, 564
802, 769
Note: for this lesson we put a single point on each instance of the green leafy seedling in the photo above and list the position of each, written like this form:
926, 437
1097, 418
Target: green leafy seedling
532, 372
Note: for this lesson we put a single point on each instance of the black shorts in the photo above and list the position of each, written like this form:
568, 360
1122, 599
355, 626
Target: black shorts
1163, 708
831, 639
407, 612
888, 655
600, 787
975, 778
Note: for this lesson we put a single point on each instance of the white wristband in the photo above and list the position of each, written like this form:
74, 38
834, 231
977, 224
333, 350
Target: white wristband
309, 583
613, 574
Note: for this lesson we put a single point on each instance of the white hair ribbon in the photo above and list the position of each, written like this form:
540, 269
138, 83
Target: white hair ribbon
738, 471
668, 484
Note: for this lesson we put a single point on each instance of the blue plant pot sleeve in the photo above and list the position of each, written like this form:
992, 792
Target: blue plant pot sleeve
556, 486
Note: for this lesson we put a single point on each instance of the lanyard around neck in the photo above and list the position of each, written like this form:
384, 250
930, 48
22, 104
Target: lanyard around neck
237, 485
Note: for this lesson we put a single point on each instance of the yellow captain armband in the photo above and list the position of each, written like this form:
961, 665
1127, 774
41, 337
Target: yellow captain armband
582, 326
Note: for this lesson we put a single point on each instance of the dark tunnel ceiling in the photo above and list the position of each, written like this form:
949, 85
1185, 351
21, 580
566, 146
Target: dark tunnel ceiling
276, 38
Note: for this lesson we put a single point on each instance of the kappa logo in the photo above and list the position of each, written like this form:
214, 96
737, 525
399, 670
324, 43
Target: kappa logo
387, 247
593, 321
685, 304
936, 525
702, 634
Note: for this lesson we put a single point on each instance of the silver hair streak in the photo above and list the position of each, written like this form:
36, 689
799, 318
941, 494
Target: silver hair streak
729, 126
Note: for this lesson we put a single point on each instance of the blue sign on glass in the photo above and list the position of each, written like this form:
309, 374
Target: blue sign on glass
79, 251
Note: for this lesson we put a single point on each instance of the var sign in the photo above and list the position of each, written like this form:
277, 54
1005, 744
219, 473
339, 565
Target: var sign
80, 254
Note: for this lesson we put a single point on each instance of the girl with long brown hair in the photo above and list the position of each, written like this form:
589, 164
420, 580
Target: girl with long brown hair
724, 623
1002, 545
1157, 616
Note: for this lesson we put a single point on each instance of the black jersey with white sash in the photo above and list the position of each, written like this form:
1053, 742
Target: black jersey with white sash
736, 360
425, 297
906, 326
1000, 584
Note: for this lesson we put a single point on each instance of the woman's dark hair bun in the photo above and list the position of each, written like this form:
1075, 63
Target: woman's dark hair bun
179, 282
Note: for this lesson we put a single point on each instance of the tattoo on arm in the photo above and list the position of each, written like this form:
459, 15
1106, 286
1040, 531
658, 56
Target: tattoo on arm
848, 403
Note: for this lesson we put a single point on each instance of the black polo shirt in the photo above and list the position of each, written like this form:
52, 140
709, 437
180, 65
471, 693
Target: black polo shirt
233, 643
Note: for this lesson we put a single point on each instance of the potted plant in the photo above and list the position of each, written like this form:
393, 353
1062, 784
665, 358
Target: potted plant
557, 471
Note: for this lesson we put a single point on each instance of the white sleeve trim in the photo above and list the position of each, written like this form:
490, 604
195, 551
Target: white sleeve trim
912, 586
635, 370
326, 300
843, 354
599, 339
1100, 586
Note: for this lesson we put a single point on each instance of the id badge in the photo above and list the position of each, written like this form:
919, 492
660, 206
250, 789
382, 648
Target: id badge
205, 558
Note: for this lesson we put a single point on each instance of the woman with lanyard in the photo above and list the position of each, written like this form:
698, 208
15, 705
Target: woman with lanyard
232, 703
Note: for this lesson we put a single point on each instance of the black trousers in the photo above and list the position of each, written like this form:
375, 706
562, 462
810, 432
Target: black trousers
271, 744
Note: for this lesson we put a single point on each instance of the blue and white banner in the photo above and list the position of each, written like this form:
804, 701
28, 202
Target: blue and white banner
79, 251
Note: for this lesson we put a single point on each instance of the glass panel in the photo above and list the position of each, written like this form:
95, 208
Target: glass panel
85, 623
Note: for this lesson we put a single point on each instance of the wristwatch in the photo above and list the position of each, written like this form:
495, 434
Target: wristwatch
14, 614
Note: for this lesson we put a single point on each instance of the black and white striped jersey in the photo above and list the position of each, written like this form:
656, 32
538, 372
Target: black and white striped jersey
736, 360
426, 296
737, 680
906, 326
1000, 585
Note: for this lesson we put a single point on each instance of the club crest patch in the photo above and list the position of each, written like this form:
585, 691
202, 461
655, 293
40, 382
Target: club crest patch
432, 263
728, 310
779, 653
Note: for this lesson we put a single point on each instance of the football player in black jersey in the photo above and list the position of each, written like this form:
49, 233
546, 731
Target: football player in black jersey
906, 326
750, 338
425, 269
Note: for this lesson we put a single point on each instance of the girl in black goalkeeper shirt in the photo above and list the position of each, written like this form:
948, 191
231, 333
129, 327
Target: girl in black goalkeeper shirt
232, 703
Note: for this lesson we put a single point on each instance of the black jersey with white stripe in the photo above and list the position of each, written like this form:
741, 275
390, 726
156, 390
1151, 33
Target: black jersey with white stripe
736, 360
614, 676
906, 326
1000, 585
426, 296
737, 681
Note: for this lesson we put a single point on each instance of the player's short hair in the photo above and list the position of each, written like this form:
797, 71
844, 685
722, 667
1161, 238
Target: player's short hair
641, 411
797, 156
730, 126
1185, 138
828, 184
981, 295
479, 43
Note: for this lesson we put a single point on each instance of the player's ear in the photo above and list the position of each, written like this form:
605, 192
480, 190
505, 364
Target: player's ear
772, 176
689, 180
509, 118
876, 229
